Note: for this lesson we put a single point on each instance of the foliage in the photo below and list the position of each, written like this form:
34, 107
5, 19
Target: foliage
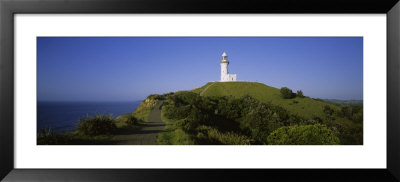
96, 125
208, 135
247, 113
227, 119
305, 107
351, 112
303, 135
328, 110
172, 134
48, 137
300, 94
131, 120
349, 133
286, 93
159, 97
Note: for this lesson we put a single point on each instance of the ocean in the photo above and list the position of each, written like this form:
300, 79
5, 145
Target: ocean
64, 116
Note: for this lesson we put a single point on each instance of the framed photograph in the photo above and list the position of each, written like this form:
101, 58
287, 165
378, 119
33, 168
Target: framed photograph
130, 90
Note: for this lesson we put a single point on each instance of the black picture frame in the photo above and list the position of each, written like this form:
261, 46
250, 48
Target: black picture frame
8, 8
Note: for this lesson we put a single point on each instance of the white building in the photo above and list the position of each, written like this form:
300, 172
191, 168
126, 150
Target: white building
225, 76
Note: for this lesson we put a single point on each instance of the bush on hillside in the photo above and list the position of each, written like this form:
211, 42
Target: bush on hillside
97, 125
233, 118
244, 116
47, 136
300, 94
156, 97
132, 120
286, 93
209, 135
328, 110
185, 98
303, 135
354, 113
357, 117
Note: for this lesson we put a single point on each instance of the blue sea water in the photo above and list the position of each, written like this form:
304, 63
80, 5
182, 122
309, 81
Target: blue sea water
64, 116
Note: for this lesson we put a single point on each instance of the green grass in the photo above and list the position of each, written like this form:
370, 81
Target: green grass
142, 113
48, 137
144, 109
305, 107
203, 88
121, 120
172, 135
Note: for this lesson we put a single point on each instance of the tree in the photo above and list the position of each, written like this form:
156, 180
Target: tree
328, 110
286, 93
303, 135
300, 94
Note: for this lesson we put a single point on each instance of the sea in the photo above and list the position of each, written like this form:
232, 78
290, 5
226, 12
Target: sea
64, 116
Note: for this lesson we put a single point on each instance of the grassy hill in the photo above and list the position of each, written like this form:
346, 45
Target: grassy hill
305, 107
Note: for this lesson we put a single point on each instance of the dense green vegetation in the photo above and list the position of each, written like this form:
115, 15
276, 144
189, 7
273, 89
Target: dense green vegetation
302, 106
287, 93
96, 125
48, 137
303, 135
173, 134
300, 94
253, 113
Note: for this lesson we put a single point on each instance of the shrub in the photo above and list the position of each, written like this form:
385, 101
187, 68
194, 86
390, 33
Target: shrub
184, 98
177, 112
156, 97
328, 110
185, 124
96, 125
300, 94
345, 111
209, 135
259, 120
132, 120
46, 136
286, 93
358, 117
354, 113
303, 135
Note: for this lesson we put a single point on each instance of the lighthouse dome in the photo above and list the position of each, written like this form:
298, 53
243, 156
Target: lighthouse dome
224, 60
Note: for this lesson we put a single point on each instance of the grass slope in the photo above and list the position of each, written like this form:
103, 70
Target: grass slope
172, 135
142, 113
305, 107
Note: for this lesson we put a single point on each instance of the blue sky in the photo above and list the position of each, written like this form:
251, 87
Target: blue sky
130, 68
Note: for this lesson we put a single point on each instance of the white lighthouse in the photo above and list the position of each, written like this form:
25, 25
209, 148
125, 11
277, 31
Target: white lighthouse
225, 76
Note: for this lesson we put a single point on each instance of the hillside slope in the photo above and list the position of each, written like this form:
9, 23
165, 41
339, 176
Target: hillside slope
305, 107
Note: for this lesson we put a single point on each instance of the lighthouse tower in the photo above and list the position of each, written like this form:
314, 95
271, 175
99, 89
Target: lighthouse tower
225, 76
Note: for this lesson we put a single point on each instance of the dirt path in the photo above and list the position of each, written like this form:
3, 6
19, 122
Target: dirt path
146, 134
201, 93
